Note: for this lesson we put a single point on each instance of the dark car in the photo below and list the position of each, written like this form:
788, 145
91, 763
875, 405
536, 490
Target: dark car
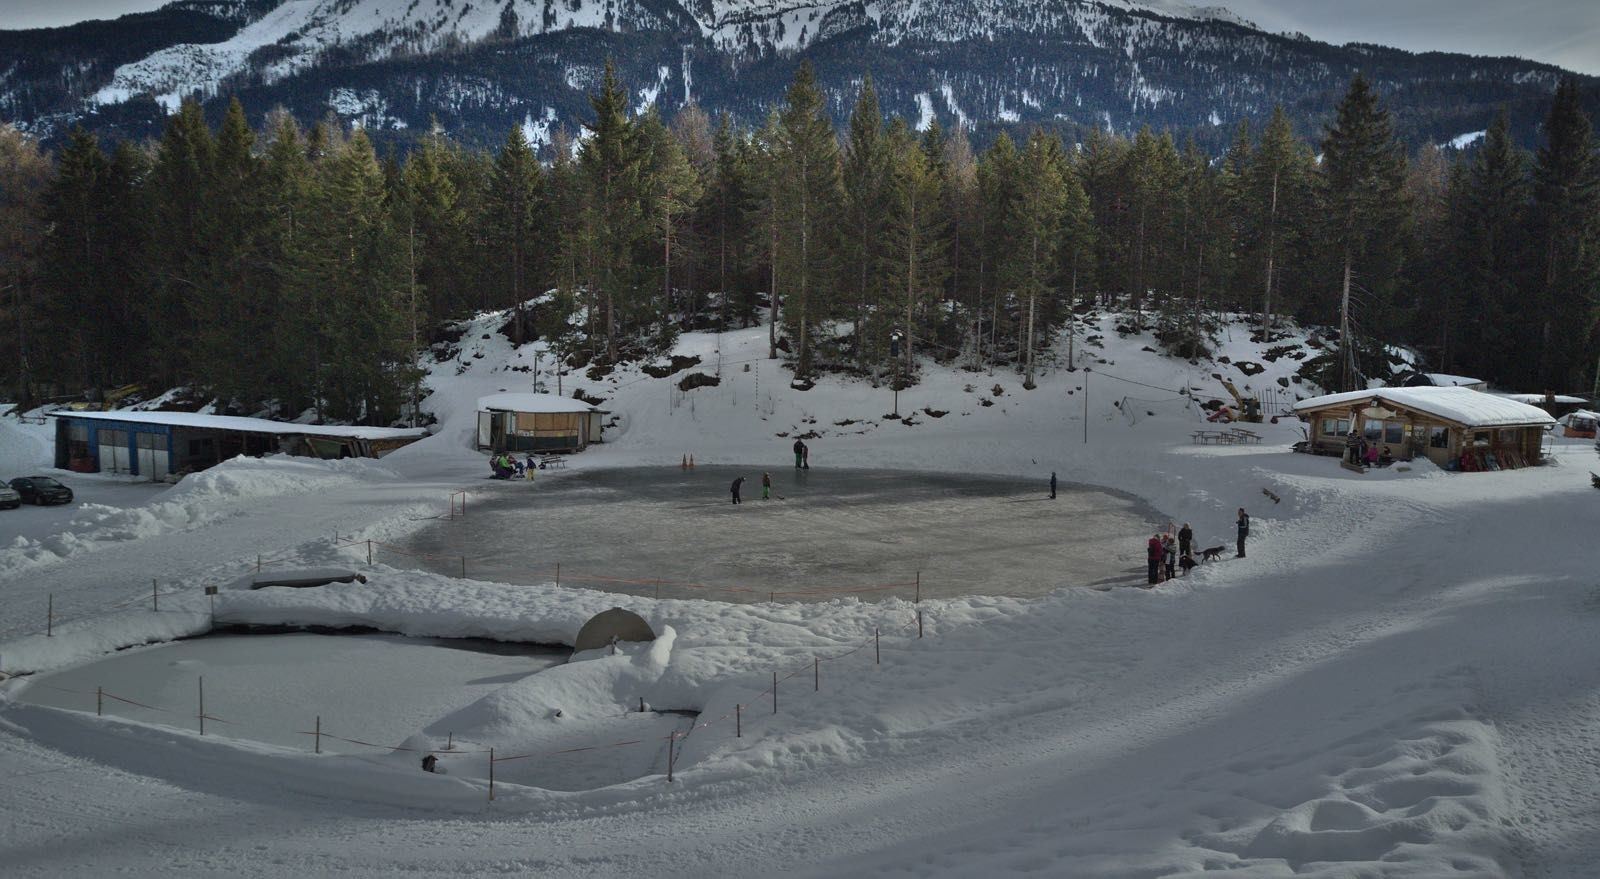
9, 499
42, 490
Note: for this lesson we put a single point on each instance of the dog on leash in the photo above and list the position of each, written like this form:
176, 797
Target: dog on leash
1212, 554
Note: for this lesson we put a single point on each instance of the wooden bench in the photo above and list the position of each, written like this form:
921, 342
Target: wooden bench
1240, 435
552, 462
1213, 436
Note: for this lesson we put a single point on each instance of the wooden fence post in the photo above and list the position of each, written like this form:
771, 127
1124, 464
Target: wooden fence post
672, 751
202, 683
463, 567
491, 775
50, 616
155, 596
774, 692
919, 623
369, 553
919, 587
877, 648
558, 575
318, 734
816, 672
99, 701
738, 720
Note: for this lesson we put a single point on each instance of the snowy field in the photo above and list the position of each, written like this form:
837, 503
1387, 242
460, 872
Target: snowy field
823, 533
1402, 679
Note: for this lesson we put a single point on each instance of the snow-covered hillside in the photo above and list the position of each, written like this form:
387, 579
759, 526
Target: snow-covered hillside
1400, 680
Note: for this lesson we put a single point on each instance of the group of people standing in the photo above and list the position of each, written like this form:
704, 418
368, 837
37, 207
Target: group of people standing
1166, 555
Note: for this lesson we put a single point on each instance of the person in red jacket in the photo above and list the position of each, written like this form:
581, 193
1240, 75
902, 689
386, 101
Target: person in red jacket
1156, 554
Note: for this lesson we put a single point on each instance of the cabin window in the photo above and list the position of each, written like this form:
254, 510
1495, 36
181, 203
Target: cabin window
1335, 426
1480, 437
1438, 438
1508, 435
1372, 432
1394, 432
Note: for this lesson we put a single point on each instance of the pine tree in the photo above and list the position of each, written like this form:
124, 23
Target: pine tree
25, 174
351, 266
999, 182
183, 271
866, 184
1272, 192
914, 240
730, 203
229, 313
1036, 213
74, 261
808, 168
670, 188
1566, 234
614, 167
511, 216
1363, 173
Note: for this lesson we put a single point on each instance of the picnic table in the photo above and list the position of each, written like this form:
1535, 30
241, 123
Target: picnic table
1240, 435
1213, 436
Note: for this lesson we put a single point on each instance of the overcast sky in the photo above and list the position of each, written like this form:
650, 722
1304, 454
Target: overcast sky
1564, 32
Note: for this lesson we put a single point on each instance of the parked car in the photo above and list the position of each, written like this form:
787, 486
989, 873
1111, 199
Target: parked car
41, 490
9, 498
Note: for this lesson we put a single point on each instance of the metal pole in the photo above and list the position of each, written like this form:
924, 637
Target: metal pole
369, 553
318, 734
738, 720
258, 563
919, 622
1086, 371
558, 575
155, 596
99, 701
202, 683
877, 648
672, 750
816, 671
463, 567
919, 587
50, 616
491, 775
774, 692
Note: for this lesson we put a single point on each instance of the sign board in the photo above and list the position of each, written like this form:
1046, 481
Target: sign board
211, 590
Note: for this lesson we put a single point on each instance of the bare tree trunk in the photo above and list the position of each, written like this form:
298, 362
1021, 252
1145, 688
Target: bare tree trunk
1272, 234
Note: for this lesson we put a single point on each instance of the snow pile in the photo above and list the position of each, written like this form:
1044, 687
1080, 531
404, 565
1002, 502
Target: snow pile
197, 500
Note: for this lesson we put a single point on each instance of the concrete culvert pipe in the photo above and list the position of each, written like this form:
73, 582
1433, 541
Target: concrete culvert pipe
616, 623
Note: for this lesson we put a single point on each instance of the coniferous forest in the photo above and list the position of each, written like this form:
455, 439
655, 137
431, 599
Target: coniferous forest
282, 269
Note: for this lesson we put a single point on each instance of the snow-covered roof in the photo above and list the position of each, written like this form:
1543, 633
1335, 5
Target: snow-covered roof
1446, 380
248, 425
525, 402
1536, 399
1462, 406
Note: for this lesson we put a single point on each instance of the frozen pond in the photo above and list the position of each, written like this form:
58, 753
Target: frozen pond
830, 529
377, 688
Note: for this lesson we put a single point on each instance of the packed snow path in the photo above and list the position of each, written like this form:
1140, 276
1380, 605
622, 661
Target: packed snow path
823, 532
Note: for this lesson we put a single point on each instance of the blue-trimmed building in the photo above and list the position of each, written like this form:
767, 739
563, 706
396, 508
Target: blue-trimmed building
154, 445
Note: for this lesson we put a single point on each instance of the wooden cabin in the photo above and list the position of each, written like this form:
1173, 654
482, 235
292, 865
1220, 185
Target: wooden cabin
1455, 427
525, 422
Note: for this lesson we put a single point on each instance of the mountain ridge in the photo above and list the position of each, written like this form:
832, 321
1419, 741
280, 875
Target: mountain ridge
394, 66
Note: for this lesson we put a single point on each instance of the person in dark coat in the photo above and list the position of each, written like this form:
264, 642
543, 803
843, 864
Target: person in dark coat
766, 486
1052, 485
1169, 551
799, 453
1185, 539
1244, 530
737, 483
805, 456
1154, 553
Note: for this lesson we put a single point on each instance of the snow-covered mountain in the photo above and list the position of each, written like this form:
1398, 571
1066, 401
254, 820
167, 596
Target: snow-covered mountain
480, 66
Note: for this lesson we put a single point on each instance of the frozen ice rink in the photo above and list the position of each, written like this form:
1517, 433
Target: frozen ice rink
823, 530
